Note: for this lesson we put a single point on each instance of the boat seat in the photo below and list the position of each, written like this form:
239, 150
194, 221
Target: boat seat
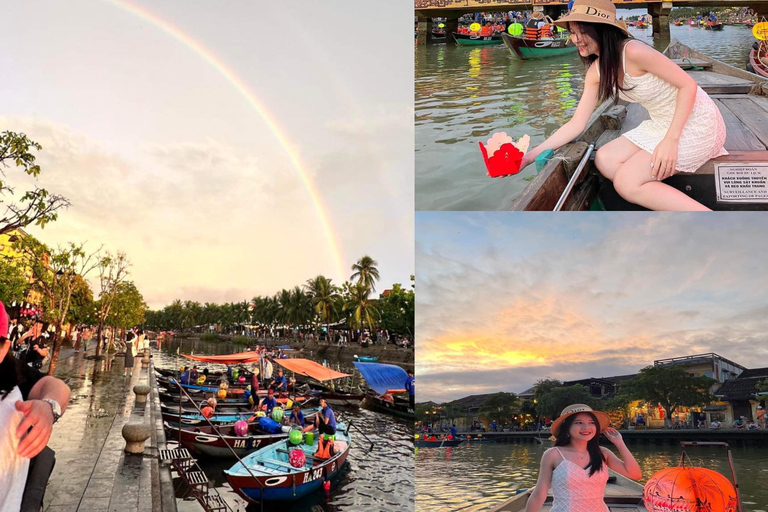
309, 457
279, 463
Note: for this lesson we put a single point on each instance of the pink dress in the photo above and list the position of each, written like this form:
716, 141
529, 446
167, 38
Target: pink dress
575, 491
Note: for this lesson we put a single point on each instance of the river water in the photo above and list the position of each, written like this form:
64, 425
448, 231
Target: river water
465, 94
377, 480
477, 477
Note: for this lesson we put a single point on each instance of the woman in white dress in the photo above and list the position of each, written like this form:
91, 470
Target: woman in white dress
685, 129
577, 467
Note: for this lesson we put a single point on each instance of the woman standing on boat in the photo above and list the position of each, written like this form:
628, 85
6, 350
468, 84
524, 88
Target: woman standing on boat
685, 129
577, 467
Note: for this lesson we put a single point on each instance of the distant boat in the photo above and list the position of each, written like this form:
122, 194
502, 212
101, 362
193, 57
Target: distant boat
366, 359
470, 40
525, 49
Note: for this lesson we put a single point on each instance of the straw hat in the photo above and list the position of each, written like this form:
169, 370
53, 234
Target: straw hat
602, 418
593, 11
537, 15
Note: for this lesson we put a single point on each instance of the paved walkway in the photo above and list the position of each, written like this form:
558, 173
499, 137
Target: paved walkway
92, 471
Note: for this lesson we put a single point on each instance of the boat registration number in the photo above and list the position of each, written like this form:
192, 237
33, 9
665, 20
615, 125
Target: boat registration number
310, 476
741, 182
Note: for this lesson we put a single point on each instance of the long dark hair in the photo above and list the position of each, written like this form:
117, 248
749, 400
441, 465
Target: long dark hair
9, 366
563, 438
611, 41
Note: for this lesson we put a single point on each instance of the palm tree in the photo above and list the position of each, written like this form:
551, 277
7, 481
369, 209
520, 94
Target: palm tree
364, 312
325, 298
365, 272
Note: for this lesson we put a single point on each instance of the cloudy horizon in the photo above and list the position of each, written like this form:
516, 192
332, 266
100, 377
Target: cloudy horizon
505, 300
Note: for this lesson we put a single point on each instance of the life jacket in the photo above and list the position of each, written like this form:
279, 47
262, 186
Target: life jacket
486, 31
531, 33
545, 31
324, 449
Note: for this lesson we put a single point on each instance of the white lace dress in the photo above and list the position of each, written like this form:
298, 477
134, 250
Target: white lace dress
574, 490
703, 135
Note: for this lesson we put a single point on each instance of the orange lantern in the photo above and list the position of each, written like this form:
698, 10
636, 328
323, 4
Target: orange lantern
207, 412
689, 489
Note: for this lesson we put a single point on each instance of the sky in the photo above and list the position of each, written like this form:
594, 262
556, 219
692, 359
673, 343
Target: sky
229, 151
505, 300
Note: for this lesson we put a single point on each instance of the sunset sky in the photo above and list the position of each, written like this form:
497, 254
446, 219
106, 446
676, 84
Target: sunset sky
227, 151
505, 300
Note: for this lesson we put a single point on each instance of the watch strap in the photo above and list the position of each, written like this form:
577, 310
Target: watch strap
55, 408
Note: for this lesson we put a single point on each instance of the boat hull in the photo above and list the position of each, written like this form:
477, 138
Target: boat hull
203, 440
757, 66
526, 49
467, 40
399, 407
438, 443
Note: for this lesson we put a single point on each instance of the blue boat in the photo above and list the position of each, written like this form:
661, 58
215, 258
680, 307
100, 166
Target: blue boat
267, 474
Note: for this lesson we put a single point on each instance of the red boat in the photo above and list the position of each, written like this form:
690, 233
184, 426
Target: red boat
758, 59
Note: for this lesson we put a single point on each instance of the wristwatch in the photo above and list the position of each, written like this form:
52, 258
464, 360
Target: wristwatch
55, 408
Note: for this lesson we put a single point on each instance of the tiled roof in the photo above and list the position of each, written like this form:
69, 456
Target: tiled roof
744, 386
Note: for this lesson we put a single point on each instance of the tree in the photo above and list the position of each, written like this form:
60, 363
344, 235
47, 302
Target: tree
56, 275
14, 285
36, 206
128, 308
544, 386
363, 311
113, 270
397, 310
762, 386
552, 403
500, 406
670, 387
325, 299
366, 273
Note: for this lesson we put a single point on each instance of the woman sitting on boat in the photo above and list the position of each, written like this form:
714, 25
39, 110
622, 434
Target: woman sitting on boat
685, 128
577, 467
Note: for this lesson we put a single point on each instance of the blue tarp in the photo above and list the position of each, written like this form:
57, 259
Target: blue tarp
383, 377
285, 347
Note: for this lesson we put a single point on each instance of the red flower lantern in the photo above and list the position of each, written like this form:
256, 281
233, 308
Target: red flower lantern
689, 489
207, 412
297, 458
502, 155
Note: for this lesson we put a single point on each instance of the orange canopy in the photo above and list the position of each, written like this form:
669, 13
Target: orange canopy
310, 369
239, 358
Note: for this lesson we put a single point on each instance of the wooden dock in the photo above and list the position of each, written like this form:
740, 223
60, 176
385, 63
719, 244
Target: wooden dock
621, 495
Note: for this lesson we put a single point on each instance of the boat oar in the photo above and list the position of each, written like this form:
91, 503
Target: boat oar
350, 424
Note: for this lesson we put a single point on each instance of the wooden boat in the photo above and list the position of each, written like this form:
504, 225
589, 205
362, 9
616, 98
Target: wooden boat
387, 383
220, 408
716, 25
620, 494
437, 443
741, 98
641, 24
469, 40
525, 49
679, 23
390, 404
320, 374
758, 61
204, 440
693, 23
366, 359
438, 35
197, 419
267, 475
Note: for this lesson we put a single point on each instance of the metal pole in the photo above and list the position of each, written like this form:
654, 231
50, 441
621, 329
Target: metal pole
573, 179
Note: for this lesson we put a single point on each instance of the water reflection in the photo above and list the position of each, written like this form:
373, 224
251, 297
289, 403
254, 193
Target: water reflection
464, 94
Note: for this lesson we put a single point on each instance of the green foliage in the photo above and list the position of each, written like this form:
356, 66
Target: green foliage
242, 340
397, 310
363, 311
128, 308
544, 386
669, 386
762, 386
14, 285
500, 406
209, 336
365, 272
81, 306
552, 403
36, 206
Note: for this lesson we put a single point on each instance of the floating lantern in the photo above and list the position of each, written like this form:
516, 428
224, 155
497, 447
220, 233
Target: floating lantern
222, 394
515, 29
277, 414
241, 427
207, 412
295, 437
689, 489
475, 27
297, 458
506, 156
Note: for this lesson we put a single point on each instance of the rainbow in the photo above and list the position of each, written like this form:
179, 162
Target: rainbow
250, 97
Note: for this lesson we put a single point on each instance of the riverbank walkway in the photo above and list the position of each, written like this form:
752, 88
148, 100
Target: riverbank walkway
92, 472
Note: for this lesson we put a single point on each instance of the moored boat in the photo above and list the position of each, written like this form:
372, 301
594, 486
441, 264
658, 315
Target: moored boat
387, 383
470, 40
714, 25
741, 98
679, 23
525, 49
268, 475
758, 60
204, 440
365, 359
437, 443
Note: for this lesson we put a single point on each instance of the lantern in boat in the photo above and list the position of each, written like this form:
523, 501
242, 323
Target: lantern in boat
295, 437
235, 373
479, 435
469, 437
223, 385
416, 436
297, 458
250, 400
691, 489
277, 414
181, 368
241, 379
288, 403
201, 380
241, 427
502, 155
207, 412
222, 394
450, 437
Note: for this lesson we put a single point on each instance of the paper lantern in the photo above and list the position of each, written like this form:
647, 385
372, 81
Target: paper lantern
297, 458
277, 414
201, 380
689, 489
475, 27
235, 373
760, 31
450, 437
241, 379
241, 427
502, 155
416, 436
295, 437
222, 394
250, 400
515, 29
207, 412
479, 435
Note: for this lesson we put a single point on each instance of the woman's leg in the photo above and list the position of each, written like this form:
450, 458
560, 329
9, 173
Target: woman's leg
633, 182
610, 157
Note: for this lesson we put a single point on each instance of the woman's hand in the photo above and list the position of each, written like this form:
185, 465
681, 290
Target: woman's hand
613, 435
528, 159
39, 416
664, 159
